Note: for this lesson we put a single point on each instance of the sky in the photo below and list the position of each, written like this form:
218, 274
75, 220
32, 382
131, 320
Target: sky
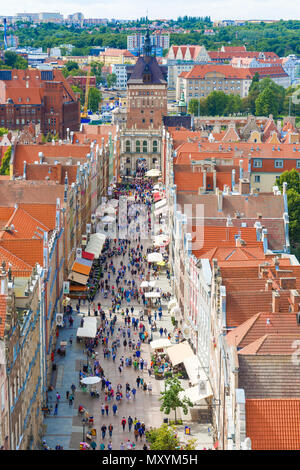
159, 9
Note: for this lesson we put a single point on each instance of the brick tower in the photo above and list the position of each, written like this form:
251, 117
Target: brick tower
146, 91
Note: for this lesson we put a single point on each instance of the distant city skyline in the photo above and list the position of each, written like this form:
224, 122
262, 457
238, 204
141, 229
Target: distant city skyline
169, 9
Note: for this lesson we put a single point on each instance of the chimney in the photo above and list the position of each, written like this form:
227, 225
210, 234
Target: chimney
244, 186
239, 242
275, 301
232, 180
204, 179
214, 179
295, 299
241, 169
220, 200
268, 285
71, 136
41, 156
264, 239
284, 186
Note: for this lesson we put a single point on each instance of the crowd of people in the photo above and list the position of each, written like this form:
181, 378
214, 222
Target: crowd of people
121, 306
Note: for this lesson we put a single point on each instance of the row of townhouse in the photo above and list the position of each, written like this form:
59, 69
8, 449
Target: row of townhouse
226, 249
46, 210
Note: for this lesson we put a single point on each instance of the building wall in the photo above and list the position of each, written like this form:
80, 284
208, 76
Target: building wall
146, 105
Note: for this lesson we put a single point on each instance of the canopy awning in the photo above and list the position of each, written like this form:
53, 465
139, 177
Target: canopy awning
82, 266
152, 295
95, 244
194, 370
179, 353
154, 257
157, 197
161, 240
160, 343
87, 255
144, 284
89, 329
160, 204
196, 395
175, 312
153, 173
79, 278
172, 303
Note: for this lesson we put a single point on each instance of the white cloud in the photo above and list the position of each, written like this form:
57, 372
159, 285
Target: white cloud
130, 9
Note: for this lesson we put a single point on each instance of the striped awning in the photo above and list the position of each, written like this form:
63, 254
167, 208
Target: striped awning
82, 266
87, 255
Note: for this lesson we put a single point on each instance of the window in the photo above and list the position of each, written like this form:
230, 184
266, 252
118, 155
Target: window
298, 164
278, 163
257, 178
145, 146
155, 146
127, 146
257, 163
138, 146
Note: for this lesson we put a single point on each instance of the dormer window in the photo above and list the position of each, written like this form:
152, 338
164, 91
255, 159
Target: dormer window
27, 99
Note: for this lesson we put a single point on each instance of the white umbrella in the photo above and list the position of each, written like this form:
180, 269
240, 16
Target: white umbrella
107, 219
155, 257
113, 202
90, 380
144, 284
109, 210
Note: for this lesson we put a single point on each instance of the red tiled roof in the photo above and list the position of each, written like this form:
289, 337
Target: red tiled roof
200, 71
25, 226
273, 424
30, 251
18, 266
273, 344
30, 153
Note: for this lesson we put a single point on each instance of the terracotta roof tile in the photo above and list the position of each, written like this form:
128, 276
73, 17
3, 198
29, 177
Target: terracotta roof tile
17, 265
25, 226
30, 251
272, 344
273, 424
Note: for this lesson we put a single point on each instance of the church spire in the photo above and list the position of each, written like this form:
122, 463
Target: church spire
147, 44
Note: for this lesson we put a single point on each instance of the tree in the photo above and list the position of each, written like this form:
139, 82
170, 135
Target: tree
266, 103
71, 65
293, 198
79, 90
3, 131
4, 168
163, 438
96, 69
170, 397
15, 61
111, 80
94, 99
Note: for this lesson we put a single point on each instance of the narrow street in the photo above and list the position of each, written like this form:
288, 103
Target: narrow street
66, 428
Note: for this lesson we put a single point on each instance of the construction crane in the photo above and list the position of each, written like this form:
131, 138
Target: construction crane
84, 114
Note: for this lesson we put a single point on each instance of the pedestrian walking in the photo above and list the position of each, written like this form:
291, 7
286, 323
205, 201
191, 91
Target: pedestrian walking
114, 408
102, 409
149, 386
71, 398
73, 388
106, 409
138, 381
56, 409
109, 445
136, 434
103, 430
93, 445
102, 446
133, 391
67, 394
130, 421
123, 423
110, 430
122, 447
